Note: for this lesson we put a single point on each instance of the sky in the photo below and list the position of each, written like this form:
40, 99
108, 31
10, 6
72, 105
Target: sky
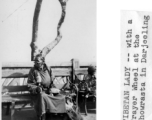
78, 30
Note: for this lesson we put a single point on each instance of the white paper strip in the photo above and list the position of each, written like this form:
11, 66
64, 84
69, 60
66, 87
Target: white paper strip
136, 65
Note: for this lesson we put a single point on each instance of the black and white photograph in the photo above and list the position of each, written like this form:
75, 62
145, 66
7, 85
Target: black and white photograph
48, 55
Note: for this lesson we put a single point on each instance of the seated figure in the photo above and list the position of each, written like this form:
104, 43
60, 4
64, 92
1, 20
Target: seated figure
46, 98
40, 83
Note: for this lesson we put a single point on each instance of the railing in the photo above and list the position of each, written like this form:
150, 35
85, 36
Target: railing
17, 73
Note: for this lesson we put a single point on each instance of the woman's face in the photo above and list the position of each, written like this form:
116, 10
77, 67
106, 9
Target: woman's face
38, 62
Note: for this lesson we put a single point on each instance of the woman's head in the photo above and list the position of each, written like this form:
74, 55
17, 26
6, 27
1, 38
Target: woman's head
39, 61
91, 70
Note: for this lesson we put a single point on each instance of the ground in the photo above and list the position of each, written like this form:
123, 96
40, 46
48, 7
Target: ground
29, 113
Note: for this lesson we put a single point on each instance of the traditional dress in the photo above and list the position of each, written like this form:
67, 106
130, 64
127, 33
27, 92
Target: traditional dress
44, 102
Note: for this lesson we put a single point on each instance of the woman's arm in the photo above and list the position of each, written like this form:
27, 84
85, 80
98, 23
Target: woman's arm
31, 82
